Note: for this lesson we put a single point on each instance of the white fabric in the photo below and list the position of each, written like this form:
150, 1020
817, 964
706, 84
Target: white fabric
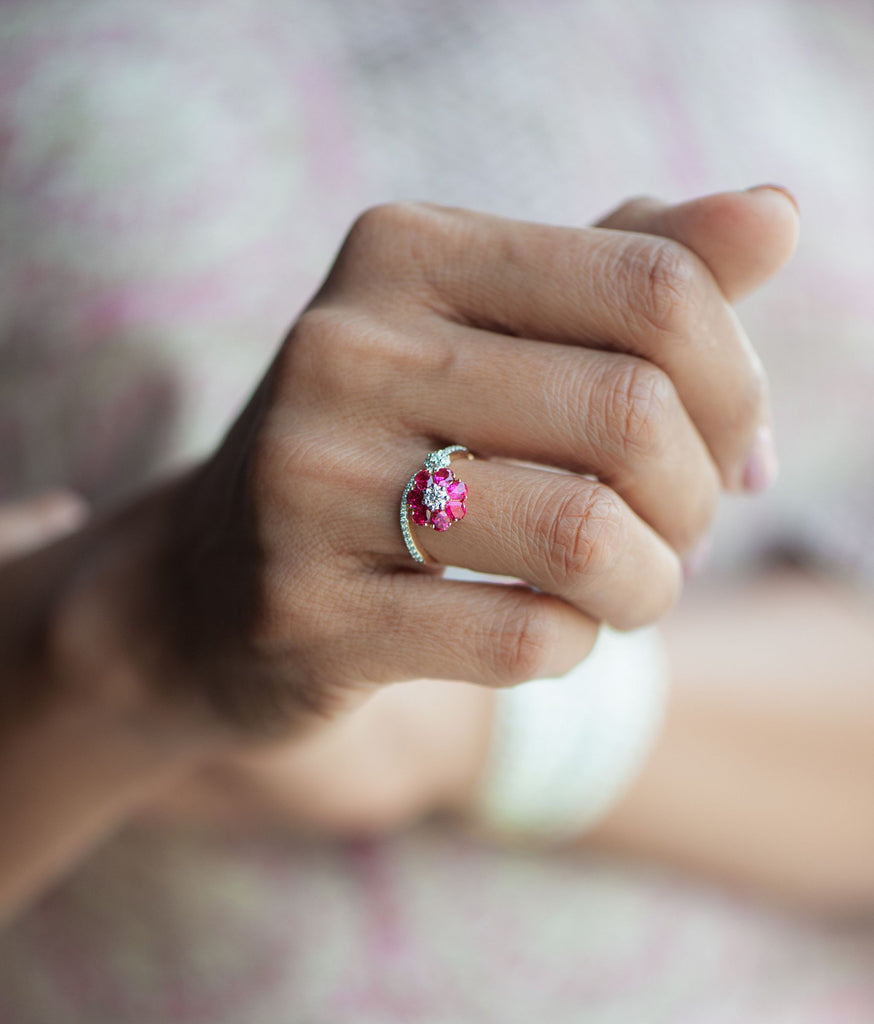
564, 751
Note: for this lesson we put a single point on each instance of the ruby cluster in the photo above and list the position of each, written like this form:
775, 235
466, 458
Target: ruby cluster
436, 499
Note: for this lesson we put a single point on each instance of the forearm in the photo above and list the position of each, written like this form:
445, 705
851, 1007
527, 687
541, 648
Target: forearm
84, 734
763, 773
68, 778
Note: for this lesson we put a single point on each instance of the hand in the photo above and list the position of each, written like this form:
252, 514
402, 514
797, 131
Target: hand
608, 353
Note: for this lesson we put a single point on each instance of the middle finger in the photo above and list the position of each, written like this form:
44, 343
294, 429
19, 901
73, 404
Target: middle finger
588, 411
617, 290
567, 535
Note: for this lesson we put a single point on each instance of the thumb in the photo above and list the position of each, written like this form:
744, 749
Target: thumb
743, 237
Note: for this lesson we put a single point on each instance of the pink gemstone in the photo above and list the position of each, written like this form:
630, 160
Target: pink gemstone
443, 475
457, 490
416, 498
441, 521
422, 478
418, 515
456, 509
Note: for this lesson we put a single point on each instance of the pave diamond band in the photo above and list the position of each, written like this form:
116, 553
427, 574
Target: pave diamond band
433, 497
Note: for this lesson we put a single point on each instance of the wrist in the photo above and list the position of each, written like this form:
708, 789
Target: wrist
83, 635
87, 734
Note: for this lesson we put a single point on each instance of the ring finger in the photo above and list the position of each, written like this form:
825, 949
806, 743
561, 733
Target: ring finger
567, 535
616, 416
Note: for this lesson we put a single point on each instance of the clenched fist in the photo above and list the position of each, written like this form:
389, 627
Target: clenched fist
606, 388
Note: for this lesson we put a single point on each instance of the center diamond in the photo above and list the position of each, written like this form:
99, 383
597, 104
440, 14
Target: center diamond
435, 497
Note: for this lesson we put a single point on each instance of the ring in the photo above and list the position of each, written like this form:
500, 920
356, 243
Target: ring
434, 497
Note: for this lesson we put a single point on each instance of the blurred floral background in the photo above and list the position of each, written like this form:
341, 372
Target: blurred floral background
175, 178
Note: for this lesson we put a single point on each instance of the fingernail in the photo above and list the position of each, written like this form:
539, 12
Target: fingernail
778, 188
696, 561
760, 471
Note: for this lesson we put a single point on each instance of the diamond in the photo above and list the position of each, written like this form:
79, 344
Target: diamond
435, 496
436, 459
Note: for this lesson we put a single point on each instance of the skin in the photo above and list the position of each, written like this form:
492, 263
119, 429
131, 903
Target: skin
256, 608
762, 776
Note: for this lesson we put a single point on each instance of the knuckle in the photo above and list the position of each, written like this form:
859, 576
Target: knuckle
343, 356
627, 214
383, 218
386, 233
582, 534
318, 351
639, 400
402, 254
524, 643
662, 283
371, 227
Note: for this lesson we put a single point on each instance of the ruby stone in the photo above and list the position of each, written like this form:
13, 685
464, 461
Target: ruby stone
440, 521
456, 509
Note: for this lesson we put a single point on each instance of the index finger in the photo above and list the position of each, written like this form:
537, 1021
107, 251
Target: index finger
643, 295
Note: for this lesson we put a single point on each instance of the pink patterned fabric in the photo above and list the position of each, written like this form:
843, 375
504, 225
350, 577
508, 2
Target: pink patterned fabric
175, 178
428, 927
